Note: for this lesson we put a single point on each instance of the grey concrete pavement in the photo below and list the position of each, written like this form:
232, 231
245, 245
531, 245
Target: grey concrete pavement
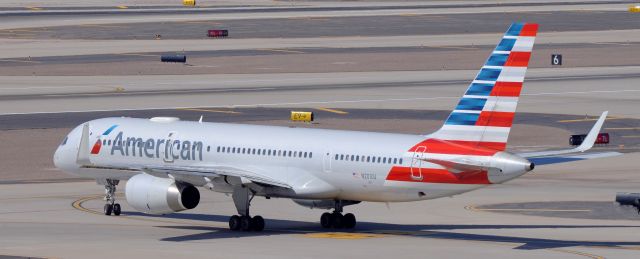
17, 48
558, 91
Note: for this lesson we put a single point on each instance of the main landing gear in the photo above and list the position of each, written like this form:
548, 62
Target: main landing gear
336, 219
242, 197
110, 197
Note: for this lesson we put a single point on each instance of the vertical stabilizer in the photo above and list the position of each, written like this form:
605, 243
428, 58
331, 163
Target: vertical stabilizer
484, 115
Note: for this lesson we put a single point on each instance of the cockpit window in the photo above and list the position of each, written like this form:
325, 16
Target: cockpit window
64, 141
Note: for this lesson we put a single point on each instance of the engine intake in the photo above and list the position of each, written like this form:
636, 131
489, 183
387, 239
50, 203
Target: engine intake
155, 195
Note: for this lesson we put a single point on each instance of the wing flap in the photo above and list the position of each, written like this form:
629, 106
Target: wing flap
216, 171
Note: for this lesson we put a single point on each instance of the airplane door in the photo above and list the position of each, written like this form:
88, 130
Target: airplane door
416, 163
167, 151
326, 162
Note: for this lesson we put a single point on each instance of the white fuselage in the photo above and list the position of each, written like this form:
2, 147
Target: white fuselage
317, 163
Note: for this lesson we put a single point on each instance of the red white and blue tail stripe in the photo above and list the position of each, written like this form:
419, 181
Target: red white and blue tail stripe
484, 115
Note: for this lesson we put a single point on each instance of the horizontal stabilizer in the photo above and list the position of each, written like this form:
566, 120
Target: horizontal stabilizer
587, 144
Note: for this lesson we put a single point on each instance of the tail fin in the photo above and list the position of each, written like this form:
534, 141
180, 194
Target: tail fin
484, 115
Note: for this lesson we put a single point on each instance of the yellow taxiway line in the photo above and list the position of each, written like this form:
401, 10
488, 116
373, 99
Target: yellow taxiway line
592, 119
284, 50
473, 208
630, 128
331, 110
208, 110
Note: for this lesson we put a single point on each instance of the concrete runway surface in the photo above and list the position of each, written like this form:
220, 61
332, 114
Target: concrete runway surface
390, 66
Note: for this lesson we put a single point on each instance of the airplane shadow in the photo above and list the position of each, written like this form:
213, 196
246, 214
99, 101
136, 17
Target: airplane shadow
435, 231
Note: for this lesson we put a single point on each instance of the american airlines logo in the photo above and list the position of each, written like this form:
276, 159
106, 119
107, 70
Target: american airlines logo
167, 149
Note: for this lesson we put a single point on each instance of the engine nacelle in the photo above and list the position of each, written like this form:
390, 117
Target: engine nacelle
155, 195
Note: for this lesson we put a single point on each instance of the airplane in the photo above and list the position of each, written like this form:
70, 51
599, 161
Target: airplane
165, 160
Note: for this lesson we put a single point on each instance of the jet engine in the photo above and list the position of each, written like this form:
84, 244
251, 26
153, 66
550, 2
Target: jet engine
155, 195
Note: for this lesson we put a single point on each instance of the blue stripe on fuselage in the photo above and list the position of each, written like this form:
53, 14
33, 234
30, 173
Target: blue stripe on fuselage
109, 130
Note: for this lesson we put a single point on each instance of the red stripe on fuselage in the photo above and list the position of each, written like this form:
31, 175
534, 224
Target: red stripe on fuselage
96, 147
506, 89
529, 29
432, 175
518, 59
460, 147
495, 119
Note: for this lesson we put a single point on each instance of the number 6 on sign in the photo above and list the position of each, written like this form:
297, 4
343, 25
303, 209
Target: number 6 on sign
556, 60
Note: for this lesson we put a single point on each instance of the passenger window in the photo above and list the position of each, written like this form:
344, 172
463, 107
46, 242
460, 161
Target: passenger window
310, 154
208, 148
379, 159
368, 159
104, 142
400, 160
384, 160
218, 149
395, 160
305, 154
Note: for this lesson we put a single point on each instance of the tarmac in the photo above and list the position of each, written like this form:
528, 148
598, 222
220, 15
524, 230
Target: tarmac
366, 65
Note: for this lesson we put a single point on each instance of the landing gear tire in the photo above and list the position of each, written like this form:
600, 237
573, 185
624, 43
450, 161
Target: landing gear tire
110, 197
117, 209
325, 220
337, 220
257, 223
234, 223
245, 223
108, 208
349, 220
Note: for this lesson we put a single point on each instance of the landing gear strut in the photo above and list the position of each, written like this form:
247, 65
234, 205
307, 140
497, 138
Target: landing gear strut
336, 219
242, 197
110, 197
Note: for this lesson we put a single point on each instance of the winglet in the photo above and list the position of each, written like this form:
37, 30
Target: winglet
593, 134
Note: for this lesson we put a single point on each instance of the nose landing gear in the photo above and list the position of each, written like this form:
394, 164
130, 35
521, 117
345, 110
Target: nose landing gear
110, 198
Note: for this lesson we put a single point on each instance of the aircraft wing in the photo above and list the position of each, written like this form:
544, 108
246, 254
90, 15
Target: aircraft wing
213, 171
573, 154
193, 174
